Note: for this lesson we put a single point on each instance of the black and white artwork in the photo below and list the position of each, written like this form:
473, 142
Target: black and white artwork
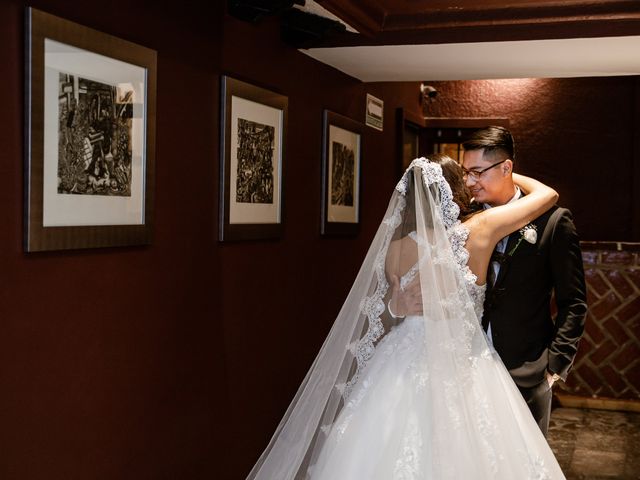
253, 133
94, 137
341, 153
254, 164
255, 170
342, 175
90, 155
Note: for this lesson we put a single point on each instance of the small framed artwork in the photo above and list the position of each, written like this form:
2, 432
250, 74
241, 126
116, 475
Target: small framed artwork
341, 152
253, 131
375, 112
90, 137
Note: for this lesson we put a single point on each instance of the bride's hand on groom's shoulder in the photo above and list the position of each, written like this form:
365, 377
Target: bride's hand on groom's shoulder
407, 301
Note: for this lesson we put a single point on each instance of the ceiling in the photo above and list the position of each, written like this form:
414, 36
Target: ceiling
583, 57
412, 40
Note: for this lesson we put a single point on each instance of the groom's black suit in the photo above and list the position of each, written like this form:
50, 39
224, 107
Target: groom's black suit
518, 307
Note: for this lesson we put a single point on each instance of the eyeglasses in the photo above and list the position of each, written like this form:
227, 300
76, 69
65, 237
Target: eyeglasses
476, 174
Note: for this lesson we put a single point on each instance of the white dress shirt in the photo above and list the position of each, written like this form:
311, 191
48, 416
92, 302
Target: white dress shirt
501, 246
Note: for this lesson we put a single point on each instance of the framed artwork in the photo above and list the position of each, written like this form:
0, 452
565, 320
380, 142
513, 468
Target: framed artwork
90, 137
341, 152
253, 135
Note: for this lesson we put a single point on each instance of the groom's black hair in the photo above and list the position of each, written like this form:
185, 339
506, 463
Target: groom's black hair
497, 143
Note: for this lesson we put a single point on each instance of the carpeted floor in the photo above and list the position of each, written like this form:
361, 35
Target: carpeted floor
596, 444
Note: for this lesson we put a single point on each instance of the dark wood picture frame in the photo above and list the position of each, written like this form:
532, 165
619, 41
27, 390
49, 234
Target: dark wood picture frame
331, 226
255, 99
41, 26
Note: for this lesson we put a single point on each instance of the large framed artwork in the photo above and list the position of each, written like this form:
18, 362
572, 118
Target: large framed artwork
341, 152
90, 137
253, 132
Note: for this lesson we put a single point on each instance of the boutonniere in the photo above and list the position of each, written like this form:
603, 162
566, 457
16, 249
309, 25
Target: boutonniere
528, 233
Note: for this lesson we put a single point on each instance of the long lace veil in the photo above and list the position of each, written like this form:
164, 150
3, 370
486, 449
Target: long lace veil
415, 242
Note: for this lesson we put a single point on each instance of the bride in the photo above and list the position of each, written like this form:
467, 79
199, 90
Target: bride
406, 385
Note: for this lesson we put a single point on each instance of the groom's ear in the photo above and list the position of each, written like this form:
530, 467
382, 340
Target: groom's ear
507, 167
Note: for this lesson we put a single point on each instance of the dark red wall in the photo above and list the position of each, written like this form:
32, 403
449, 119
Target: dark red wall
178, 359
112, 362
577, 134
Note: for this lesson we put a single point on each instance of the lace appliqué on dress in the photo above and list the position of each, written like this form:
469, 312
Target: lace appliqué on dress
536, 469
458, 236
432, 175
408, 466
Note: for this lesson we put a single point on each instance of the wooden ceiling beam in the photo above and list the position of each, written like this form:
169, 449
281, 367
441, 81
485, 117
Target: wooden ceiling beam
481, 23
584, 11
366, 17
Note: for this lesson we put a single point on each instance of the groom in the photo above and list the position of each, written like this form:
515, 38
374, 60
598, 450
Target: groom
526, 268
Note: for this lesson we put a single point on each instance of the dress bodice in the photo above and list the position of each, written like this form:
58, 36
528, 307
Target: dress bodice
458, 235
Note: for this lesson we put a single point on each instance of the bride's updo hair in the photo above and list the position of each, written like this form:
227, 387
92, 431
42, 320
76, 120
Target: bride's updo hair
452, 172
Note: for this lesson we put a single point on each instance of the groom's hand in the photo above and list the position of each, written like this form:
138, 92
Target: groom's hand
408, 301
551, 378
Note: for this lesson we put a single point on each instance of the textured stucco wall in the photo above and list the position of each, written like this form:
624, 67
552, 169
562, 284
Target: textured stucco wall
575, 133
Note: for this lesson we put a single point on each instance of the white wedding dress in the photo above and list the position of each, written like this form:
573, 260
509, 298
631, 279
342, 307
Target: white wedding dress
387, 429
424, 398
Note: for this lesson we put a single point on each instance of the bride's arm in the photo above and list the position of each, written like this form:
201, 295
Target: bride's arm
500, 221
